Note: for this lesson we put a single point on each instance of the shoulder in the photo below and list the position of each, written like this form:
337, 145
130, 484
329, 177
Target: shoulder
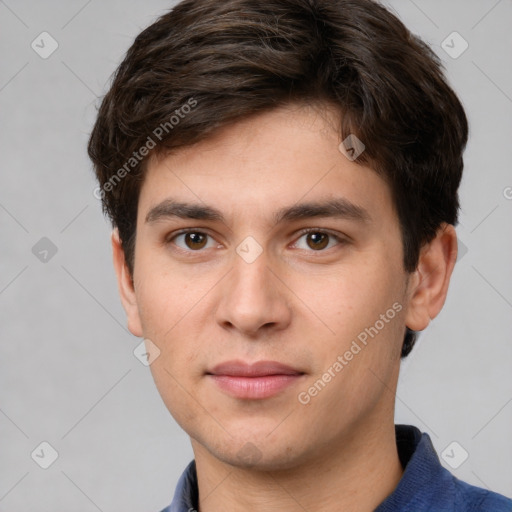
475, 499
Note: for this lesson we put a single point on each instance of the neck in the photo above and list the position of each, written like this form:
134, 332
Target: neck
355, 475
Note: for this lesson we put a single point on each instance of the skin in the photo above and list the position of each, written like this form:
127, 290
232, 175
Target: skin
295, 303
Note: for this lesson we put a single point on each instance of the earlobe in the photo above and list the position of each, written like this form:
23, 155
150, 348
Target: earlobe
428, 285
125, 286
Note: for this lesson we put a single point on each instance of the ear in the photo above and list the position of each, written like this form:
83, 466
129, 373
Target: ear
125, 286
428, 285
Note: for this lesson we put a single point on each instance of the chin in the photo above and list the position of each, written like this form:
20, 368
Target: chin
259, 454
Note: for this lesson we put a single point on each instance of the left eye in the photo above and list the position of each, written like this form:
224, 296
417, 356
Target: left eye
319, 240
194, 240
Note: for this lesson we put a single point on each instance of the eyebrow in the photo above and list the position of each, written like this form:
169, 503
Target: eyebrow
334, 208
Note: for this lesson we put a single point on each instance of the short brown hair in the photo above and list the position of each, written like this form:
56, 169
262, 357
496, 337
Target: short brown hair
229, 59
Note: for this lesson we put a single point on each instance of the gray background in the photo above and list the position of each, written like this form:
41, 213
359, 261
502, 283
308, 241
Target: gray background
68, 373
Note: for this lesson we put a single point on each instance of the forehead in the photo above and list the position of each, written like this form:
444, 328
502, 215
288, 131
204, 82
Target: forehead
265, 164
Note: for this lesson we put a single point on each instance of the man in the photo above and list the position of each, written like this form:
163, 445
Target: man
282, 177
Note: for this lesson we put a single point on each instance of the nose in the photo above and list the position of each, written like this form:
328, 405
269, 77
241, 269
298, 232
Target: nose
254, 300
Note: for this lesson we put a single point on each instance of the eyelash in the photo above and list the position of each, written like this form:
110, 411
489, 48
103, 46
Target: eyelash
340, 240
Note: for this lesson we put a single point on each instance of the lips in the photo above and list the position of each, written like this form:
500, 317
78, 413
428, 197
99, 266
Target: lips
259, 380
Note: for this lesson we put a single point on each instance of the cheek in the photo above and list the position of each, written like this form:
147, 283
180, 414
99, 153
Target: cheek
175, 392
164, 312
352, 299
363, 306
163, 294
358, 362
167, 306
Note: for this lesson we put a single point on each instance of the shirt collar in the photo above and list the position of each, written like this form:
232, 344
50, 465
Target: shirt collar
424, 482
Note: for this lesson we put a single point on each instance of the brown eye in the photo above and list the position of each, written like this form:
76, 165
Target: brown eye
192, 241
317, 240
195, 240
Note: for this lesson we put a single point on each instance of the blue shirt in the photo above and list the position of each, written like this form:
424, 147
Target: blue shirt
425, 486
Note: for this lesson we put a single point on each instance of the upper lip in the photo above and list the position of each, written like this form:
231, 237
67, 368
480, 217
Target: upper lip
257, 369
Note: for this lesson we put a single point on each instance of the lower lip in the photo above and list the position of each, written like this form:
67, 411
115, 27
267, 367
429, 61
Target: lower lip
254, 387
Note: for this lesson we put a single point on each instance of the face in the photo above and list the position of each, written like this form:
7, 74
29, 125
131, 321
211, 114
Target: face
292, 256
